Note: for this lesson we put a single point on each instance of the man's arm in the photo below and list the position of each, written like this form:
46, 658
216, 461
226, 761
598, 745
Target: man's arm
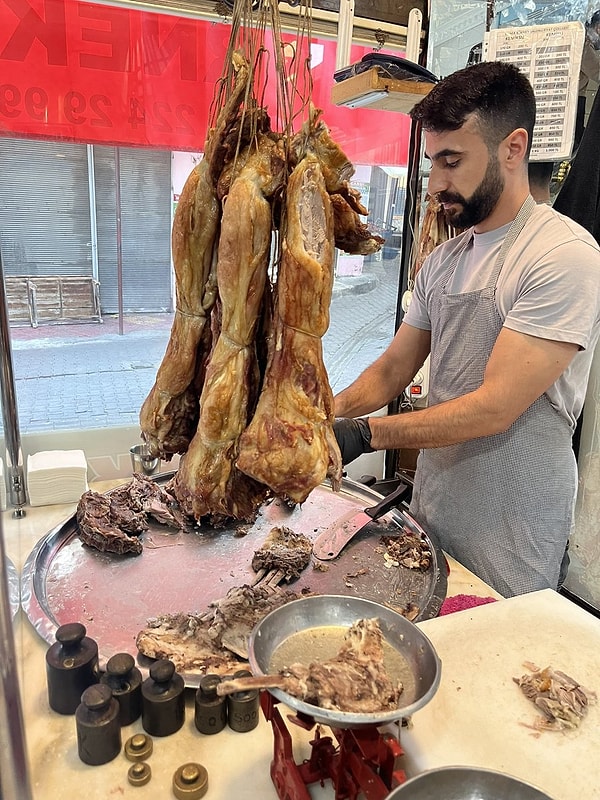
519, 370
387, 377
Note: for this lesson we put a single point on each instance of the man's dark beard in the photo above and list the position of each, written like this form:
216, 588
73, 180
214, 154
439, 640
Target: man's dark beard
481, 203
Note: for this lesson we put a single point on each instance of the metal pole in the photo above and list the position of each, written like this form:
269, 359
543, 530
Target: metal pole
119, 235
93, 215
10, 418
14, 776
410, 224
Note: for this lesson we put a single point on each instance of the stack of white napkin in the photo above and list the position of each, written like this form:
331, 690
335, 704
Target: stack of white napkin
56, 476
2, 487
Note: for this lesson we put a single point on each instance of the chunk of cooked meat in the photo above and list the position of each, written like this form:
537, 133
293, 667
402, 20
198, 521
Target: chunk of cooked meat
408, 550
144, 495
351, 234
216, 640
169, 414
561, 699
185, 640
285, 551
235, 615
112, 522
108, 527
354, 681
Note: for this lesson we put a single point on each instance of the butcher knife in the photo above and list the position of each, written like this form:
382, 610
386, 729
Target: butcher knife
330, 542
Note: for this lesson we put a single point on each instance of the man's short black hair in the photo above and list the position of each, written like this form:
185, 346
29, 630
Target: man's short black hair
595, 18
498, 93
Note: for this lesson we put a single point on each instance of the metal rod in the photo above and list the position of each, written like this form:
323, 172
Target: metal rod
14, 776
10, 417
93, 215
410, 224
119, 236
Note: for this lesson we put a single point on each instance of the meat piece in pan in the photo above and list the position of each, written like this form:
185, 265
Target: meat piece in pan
354, 681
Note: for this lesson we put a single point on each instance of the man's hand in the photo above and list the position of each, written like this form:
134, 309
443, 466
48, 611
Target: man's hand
353, 437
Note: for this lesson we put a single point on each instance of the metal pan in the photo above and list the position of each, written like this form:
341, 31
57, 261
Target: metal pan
465, 783
424, 666
114, 596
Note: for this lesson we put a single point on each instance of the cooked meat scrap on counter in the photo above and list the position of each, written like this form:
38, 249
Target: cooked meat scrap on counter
407, 550
354, 681
285, 551
216, 640
562, 701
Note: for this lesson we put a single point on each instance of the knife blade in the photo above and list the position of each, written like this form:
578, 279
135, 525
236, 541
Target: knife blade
330, 542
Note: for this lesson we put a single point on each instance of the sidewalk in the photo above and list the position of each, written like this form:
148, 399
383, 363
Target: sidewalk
25, 336
89, 375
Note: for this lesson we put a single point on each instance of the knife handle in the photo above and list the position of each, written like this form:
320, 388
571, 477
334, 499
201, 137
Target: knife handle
388, 502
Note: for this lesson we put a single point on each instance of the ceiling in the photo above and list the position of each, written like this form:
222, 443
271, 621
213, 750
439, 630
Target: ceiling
377, 22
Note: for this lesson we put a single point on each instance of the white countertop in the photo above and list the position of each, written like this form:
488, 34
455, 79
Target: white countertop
475, 717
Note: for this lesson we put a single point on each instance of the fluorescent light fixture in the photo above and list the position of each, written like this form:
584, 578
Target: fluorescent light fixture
365, 99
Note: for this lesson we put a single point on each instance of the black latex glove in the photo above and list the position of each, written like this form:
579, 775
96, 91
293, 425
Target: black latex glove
353, 437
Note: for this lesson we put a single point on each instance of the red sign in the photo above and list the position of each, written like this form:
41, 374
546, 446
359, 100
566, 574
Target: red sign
81, 72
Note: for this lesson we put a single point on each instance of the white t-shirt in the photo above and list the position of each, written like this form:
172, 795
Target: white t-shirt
549, 287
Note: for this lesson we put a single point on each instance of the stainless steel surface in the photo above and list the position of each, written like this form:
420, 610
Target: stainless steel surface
10, 417
113, 596
466, 783
14, 777
13, 587
340, 611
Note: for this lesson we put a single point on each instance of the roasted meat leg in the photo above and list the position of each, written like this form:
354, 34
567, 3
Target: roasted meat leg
169, 414
289, 444
208, 482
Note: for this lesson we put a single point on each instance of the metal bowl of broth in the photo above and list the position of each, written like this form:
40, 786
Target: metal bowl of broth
312, 629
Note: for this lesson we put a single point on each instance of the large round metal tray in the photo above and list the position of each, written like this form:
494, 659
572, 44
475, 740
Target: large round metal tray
340, 611
113, 596
13, 587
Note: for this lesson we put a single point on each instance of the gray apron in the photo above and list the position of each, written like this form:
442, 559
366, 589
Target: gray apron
502, 505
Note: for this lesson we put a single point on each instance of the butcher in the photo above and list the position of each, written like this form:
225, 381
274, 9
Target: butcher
509, 313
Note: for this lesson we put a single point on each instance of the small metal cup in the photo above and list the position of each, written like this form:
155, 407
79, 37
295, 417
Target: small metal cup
142, 461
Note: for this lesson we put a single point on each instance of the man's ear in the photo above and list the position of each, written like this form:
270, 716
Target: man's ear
513, 148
